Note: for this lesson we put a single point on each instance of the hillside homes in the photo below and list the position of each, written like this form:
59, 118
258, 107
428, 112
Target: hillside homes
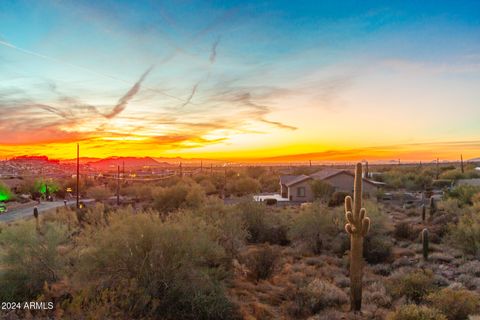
298, 187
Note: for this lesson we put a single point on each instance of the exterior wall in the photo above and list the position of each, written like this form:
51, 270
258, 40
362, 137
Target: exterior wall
344, 182
283, 191
341, 182
292, 192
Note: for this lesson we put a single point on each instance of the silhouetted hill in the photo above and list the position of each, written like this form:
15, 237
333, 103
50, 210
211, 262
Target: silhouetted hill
128, 162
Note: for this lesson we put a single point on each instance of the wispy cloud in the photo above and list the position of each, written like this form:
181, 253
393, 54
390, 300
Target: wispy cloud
122, 103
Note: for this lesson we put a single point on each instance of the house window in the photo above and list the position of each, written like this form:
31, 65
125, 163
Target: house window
301, 192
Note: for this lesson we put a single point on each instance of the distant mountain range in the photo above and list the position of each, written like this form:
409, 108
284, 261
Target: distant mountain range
128, 162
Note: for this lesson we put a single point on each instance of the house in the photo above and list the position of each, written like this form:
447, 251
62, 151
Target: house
298, 188
469, 182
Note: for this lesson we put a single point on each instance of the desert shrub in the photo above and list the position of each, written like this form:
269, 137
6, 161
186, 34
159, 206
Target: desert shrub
255, 172
262, 226
414, 312
377, 249
414, 285
269, 183
463, 194
465, 235
243, 186
319, 295
315, 227
405, 231
471, 268
276, 228
28, 259
377, 295
322, 190
142, 192
227, 226
253, 216
260, 261
181, 195
98, 193
455, 304
141, 267
208, 187
337, 198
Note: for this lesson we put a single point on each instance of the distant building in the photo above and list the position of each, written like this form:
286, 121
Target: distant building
298, 188
468, 182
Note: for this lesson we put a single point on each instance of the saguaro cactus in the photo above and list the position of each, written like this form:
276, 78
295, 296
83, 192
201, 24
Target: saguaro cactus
35, 214
424, 209
433, 206
425, 243
357, 227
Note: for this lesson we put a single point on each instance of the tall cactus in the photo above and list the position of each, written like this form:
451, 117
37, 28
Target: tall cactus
357, 227
425, 243
424, 209
35, 215
433, 206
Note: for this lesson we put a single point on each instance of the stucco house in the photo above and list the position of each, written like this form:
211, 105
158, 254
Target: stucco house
298, 188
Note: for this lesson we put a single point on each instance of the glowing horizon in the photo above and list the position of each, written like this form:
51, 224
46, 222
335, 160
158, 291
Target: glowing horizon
240, 81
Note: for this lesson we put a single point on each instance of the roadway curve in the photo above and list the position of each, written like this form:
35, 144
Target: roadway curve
23, 213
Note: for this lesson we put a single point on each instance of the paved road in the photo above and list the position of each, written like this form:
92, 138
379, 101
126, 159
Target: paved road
28, 212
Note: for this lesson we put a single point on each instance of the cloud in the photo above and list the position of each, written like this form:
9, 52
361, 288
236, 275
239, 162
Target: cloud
213, 53
122, 103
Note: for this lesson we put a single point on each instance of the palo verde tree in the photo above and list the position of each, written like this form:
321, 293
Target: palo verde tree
357, 227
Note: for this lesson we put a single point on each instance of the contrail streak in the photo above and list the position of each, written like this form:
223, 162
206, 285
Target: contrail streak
122, 103
192, 94
38, 55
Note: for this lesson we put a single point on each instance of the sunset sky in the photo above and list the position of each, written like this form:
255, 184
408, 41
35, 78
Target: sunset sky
238, 80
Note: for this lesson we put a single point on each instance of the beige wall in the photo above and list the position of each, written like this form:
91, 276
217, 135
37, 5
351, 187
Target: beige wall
344, 182
292, 191
341, 182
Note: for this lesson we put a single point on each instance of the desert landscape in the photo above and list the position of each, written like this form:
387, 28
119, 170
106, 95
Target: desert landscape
257, 160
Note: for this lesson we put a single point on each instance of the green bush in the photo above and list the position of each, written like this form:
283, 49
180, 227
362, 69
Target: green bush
227, 226
253, 215
318, 295
465, 235
414, 285
463, 194
455, 304
263, 226
405, 231
28, 259
141, 267
322, 190
337, 198
377, 249
98, 193
414, 312
315, 227
260, 261
180, 195
243, 186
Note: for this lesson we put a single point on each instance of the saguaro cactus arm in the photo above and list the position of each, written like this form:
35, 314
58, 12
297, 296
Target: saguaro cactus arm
357, 226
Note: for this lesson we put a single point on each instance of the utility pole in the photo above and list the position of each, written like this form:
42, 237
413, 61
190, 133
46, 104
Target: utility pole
118, 185
366, 170
438, 173
78, 176
461, 163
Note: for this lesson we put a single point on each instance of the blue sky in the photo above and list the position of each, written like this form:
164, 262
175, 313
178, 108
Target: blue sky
236, 77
